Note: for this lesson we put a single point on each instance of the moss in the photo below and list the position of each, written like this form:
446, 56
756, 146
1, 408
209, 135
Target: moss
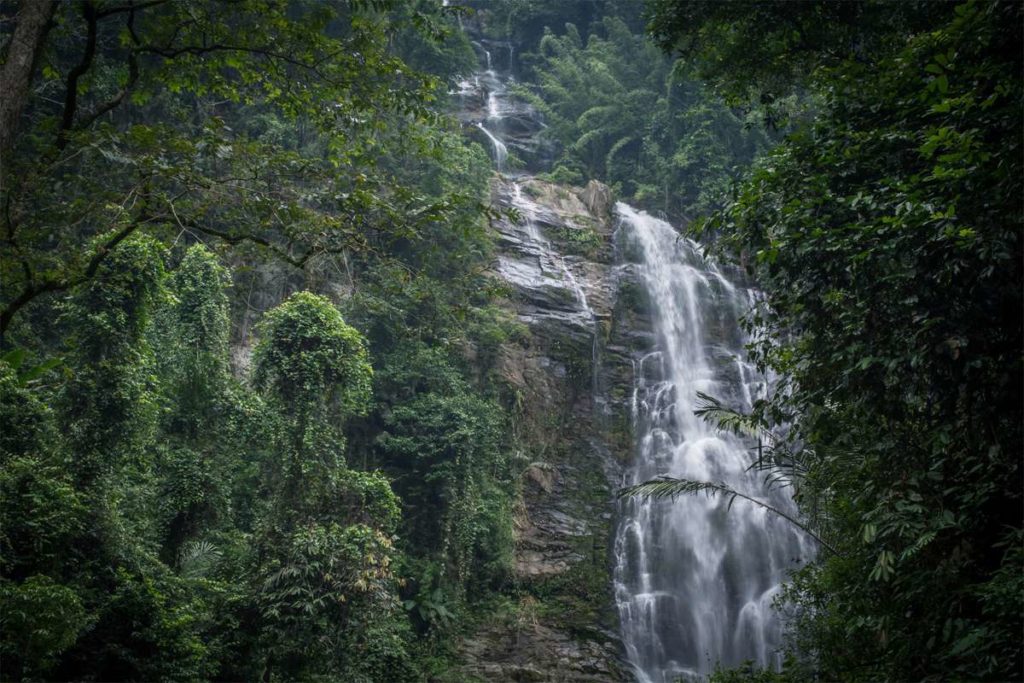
633, 297
581, 241
580, 600
532, 191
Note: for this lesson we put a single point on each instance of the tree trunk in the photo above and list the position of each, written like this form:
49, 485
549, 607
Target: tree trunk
33, 22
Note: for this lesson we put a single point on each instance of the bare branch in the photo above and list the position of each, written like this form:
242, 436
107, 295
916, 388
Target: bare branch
83, 66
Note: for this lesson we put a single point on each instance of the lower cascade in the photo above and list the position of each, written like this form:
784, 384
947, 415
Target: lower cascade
694, 579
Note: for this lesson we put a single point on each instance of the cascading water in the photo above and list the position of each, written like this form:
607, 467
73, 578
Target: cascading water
694, 580
495, 89
488, 103
500, 150
552, 266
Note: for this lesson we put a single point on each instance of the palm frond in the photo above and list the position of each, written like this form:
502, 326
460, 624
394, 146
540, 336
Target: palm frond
710, 409
197, 558
668, 487
783, 467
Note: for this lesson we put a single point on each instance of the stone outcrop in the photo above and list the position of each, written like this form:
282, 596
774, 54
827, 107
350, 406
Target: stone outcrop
597, 197
573, 432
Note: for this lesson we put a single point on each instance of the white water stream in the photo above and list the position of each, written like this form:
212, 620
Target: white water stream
500, 150
694, 580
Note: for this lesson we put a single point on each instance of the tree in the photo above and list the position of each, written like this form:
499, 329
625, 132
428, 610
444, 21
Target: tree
139, 121
315, 368
196, 359
326, 538
759, 51
107, 409
20, 61
315, 372
622, 113
207, 442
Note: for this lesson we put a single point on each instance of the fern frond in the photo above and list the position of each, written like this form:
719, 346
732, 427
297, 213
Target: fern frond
710, 409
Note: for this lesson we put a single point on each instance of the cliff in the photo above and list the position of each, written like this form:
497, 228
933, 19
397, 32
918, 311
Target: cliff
566, 377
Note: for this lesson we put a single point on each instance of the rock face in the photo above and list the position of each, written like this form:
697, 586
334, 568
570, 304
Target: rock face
568, 375
530, 651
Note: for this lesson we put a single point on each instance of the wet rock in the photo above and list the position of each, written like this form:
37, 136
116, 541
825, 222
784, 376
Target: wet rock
542, 475
568, 376
597, 197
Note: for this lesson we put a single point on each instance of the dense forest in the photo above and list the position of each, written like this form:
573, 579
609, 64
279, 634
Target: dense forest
274, 405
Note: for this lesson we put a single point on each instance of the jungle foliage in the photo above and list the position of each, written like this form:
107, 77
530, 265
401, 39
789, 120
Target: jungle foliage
184, 496
622, 112
886, 235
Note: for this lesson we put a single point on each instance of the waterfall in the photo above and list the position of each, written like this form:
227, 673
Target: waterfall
496, 91
694, 580
547, 255
500, 150
511, 125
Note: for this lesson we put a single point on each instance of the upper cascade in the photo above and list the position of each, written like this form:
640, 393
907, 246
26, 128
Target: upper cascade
553, 285
511, 125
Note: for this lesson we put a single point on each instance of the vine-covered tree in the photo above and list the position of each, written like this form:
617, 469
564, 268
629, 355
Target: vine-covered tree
325, 544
